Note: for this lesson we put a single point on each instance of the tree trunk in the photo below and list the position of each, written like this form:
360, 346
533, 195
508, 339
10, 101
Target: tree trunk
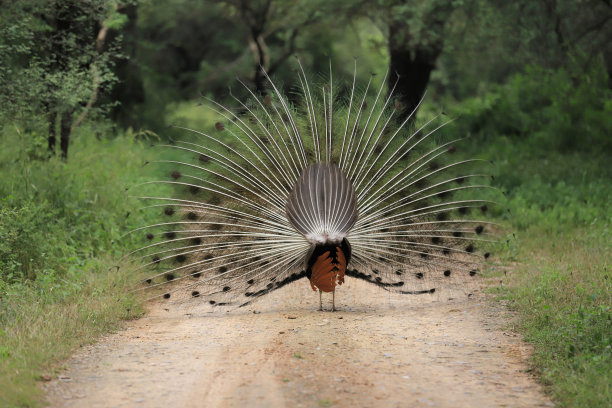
260, 81
96, 78
52, 118
262, 60
411, 67
65, 129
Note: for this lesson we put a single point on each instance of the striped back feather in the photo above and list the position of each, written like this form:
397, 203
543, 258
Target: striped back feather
322, 206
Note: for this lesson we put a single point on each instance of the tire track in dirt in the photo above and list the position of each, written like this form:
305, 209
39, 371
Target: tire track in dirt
380, 350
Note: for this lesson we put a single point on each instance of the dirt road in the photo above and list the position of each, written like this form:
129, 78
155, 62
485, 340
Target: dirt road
380, 350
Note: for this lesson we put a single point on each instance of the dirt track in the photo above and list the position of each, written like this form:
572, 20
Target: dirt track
380, 350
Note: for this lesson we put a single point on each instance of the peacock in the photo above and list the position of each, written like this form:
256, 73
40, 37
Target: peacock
325, 182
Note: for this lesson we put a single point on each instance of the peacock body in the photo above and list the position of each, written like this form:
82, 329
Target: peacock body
282, 190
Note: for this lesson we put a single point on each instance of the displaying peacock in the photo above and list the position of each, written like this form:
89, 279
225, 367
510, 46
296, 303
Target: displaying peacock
324, 185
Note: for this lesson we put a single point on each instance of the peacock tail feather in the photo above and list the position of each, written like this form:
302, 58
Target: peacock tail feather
318, 186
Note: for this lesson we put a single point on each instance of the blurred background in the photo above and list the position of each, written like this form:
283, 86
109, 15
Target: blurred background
86, 86
515, 68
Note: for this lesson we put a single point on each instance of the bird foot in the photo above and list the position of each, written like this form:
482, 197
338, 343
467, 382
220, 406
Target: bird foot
333, 309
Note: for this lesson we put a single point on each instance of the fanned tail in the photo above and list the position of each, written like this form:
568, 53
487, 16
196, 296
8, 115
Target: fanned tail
246, 203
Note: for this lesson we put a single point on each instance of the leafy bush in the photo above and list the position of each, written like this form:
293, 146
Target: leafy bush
547, 133
55, 214
24, 245
59, 282
565, 110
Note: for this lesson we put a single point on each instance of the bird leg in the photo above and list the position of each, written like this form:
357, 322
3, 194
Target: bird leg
334, 300
320, 300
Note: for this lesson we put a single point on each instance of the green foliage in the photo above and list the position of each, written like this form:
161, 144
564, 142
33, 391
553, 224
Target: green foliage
548, 189
52, 60
61, 283
547, 134
190, 47
562, 291
487, 42
43, 321
423, 21
564, 110
18, 85
54, 213
24, 249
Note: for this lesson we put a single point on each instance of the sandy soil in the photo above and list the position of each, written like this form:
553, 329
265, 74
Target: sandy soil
380, 350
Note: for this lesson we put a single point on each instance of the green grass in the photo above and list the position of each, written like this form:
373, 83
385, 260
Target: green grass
61, 227
561, 288
44, 321
550, 151
559, 278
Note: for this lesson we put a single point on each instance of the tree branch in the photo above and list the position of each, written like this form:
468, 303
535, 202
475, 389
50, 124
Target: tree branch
595, 27
290, 49
219, 70
286, 54
100, 39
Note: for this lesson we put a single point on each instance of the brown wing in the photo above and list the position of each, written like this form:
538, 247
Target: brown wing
328, 270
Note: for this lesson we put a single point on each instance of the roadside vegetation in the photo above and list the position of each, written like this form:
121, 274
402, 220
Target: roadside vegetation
528, 82
558, 184
62, 284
